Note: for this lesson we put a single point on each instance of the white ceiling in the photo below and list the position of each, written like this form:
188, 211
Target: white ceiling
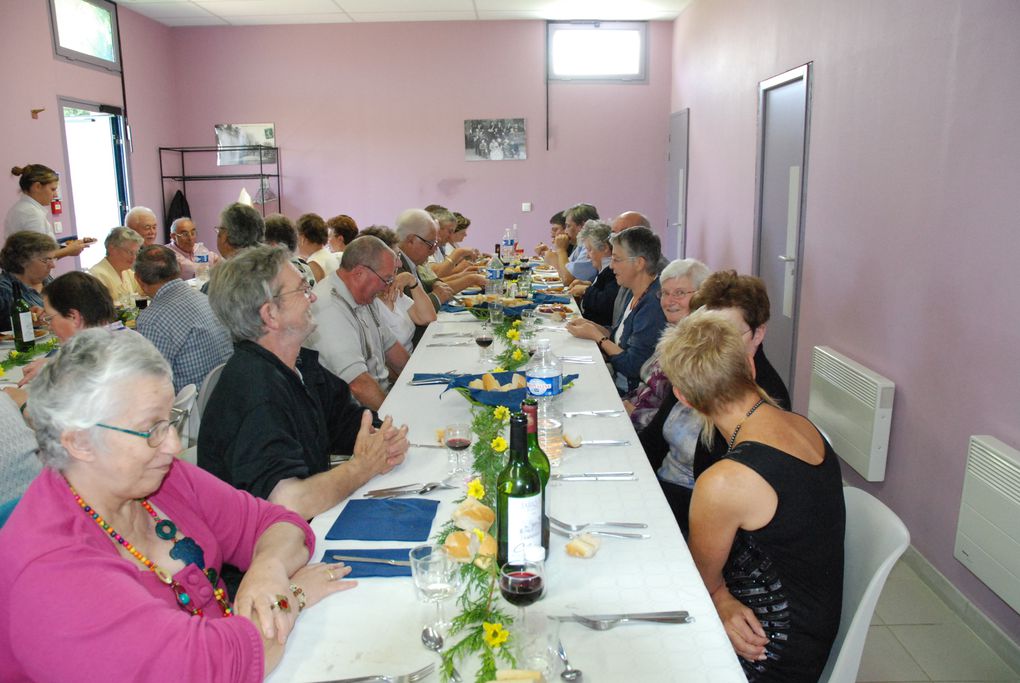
260, 12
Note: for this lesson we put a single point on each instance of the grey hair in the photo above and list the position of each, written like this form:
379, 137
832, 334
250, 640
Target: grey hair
692, 268
136, 212
173, 226
86, 383
414, 222
595, 232
156, 263
242, 226
641, 241
240, 285
366, 250
121, 237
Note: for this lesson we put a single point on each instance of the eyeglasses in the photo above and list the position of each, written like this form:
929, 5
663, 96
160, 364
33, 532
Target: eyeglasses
431, 245
678, 294
305, 289
157, 433
621, 259
48, 260
386, 281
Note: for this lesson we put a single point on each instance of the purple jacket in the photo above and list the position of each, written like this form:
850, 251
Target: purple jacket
75, 609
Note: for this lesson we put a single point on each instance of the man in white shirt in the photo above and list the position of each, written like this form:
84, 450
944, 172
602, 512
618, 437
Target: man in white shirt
143, 221
351, 342
182, 244
115, 271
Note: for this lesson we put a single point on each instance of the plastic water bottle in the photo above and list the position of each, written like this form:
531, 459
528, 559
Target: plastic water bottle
544, 376
201, 263
508, 248
494, 275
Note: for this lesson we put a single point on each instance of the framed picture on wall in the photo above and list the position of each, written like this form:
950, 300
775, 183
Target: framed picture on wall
495, 140
245, 135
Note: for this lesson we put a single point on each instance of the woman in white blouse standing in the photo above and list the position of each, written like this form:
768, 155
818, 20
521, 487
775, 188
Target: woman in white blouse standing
39, 185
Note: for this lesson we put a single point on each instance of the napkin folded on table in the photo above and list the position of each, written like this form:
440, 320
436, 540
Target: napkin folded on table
384, 520
364, 570
543, 298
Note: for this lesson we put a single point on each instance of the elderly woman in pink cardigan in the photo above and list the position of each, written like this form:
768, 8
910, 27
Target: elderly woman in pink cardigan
109, 565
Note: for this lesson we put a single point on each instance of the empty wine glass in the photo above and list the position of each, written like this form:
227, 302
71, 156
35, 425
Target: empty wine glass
496, 312
457, 438
436, 577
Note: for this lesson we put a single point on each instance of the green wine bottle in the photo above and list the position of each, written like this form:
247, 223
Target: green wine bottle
540, 461
21, 326
518, 498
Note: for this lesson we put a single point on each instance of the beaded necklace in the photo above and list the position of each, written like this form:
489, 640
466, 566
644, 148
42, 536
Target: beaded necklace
733, 439
185, 549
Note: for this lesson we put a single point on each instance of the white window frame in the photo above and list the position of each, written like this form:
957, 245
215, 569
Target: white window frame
553, 27
71, 55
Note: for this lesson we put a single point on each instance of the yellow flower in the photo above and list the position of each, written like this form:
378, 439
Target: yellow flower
495, 634
512, 334
517, 354
499, 368
1, 372
478, 532
501, 413
516, 323
13, 354
475, 489
499, 444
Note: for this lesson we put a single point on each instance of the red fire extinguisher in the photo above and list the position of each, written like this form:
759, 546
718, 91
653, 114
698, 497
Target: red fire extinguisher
55, 207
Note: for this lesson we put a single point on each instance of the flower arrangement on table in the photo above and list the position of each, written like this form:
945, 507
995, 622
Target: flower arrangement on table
15, 358
513, 356
483, 625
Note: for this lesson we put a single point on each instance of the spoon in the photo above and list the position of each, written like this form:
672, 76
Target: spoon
569, 673
433, 640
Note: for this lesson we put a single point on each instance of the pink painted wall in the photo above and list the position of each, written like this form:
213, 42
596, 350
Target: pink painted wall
33, 78
911, 239
369, 119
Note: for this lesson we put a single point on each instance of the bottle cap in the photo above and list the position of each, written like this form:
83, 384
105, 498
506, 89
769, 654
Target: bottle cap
534, 553
542, 343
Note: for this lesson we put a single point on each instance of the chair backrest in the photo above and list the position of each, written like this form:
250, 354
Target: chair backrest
189, 454
208, 384
183, 403
875, 539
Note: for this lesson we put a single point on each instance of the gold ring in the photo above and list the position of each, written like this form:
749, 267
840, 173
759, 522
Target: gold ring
281, 603
332, 576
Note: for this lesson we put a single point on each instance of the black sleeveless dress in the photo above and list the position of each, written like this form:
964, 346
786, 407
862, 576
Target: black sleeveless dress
790, 572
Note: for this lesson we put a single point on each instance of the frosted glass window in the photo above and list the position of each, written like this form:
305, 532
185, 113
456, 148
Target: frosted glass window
597, 51
86, 31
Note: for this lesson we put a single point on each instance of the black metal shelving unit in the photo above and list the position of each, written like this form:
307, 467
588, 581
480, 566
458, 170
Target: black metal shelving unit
267, 170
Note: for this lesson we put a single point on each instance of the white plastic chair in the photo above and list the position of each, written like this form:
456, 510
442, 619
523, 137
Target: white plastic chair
183, 403
208, 384
875, 539
189, 455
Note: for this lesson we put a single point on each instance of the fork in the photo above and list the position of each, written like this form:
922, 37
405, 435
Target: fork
597, 532
582, 527
606, 624
403, 678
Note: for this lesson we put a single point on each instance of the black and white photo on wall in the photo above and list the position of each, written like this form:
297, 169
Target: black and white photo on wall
495, 139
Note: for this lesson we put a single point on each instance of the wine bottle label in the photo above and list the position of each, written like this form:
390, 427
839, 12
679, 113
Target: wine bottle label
25, 325
524, 525
544, 386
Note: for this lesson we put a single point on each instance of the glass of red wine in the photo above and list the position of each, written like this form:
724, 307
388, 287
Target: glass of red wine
521, 584
457, 438
484, 338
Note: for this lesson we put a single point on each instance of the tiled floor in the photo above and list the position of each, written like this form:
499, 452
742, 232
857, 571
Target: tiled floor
915, 638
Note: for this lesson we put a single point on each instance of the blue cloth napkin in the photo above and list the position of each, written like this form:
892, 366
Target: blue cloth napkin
543, 298
510, 399
364, 570
450, 307
384, 520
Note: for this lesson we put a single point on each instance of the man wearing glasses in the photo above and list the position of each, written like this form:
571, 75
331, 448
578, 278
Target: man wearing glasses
351, 342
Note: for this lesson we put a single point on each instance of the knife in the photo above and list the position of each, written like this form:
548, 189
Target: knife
604, 442
426, 445
591, 477
639, 616
595, 532
391, 489
561, 475
463, 343
372, 560
594, 413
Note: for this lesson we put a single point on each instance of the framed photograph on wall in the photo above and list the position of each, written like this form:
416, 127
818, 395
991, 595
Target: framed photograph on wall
495, 140
245, 135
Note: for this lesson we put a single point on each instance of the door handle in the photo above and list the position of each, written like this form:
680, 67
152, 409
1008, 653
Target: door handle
787, 259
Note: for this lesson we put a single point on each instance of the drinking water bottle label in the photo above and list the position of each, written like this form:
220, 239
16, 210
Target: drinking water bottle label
494, 273
544, 386
524, 525
201, 258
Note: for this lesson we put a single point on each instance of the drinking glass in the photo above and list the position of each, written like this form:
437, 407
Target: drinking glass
483, 337
496, 313
457, 438
522, 584
528, 319
436, 577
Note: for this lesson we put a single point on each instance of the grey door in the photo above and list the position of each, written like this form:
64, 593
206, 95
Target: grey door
676, 211
783, 123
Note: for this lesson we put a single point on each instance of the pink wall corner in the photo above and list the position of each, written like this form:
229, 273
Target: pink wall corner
152, 100
910, 238
369, 120
33, 78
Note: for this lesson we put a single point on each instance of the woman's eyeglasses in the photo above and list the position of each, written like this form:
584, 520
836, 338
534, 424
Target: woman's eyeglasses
157, 433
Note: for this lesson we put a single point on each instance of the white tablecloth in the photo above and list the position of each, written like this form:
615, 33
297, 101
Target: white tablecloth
375, 628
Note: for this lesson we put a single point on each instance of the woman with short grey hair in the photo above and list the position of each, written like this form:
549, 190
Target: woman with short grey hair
27, 259
599, 295
114, 510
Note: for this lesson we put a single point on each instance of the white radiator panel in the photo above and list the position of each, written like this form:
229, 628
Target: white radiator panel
987, 534
852, 406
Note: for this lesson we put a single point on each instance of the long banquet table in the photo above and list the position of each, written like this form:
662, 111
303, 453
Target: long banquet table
375, 628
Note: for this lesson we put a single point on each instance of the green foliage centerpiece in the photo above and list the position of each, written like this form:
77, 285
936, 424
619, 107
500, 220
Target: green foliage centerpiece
513, 356
15, 358
483, 625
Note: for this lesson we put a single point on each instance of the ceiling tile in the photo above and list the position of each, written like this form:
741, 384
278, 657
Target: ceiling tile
263, 8
367, 17
412, 6
276, 19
